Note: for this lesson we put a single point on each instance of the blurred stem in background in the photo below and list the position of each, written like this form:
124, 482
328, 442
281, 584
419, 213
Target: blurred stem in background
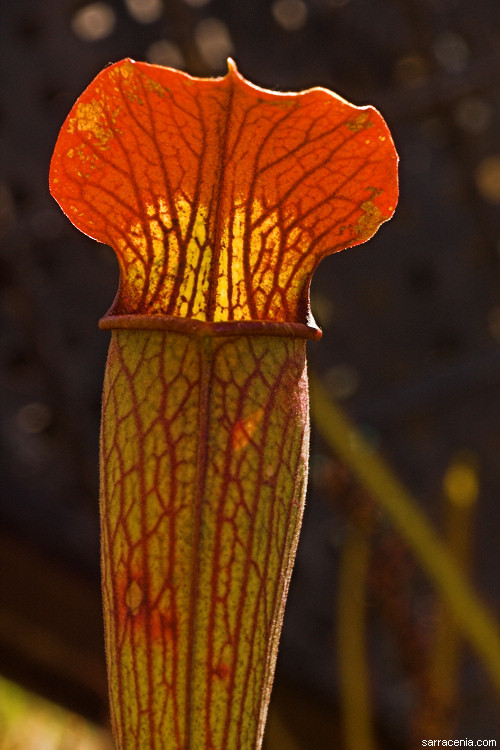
278, 736
438, 715
356, 703
469, 613
29, 722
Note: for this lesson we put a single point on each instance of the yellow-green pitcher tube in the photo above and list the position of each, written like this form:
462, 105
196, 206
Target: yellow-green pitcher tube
204, 451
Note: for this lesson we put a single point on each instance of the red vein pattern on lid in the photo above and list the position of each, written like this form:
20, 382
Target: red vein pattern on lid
220, 198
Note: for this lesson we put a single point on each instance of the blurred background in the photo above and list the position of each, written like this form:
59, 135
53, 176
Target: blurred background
410, 353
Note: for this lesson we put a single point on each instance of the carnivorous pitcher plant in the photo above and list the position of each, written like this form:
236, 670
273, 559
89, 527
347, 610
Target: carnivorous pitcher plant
219, 199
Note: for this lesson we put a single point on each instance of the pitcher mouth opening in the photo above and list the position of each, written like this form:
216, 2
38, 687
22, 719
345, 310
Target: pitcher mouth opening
211, 328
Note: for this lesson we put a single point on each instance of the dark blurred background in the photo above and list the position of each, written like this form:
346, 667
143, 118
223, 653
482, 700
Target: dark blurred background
411, 344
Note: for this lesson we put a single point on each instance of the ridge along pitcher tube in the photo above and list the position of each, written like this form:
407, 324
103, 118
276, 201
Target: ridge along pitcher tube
219, 198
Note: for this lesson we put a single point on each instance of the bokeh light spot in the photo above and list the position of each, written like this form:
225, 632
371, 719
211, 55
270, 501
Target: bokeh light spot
494, 323
145, 11
473, 114
451, 51
197, 3
34, 418
214, 42
410, 70
290, 14
322, 308
488, 178
461, 482
93, 22
342, 381
164, 52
